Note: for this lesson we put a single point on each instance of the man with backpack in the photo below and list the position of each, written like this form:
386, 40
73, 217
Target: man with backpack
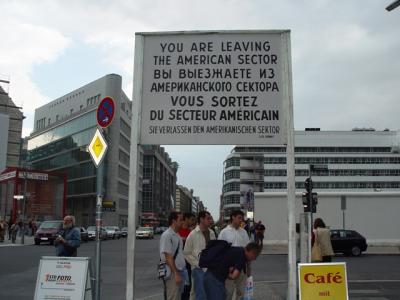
195, 243
231, 263
237, 237
171, 251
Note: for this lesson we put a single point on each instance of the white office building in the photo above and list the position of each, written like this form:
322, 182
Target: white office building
360, 188
63, 129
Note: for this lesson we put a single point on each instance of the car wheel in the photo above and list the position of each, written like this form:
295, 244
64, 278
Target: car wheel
356, 251
37, 242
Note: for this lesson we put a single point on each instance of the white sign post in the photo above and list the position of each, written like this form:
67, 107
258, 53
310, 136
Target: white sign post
209, 88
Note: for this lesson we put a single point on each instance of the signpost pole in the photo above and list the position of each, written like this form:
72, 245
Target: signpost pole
291, 187
133, 168
99, 187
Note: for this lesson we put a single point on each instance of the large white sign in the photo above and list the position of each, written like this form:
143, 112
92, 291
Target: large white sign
63, 278
213, 87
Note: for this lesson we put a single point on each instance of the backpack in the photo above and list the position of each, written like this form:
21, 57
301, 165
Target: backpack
211, 256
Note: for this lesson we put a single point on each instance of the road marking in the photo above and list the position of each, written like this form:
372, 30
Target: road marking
151, 296
374, 280
364, 292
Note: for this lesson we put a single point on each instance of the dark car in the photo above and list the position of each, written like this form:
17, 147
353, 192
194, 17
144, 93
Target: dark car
84, 235
47, 232
124, 231
349, 242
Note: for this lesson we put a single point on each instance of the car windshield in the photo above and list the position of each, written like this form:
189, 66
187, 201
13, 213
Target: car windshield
110, 227
50, 224
91, 228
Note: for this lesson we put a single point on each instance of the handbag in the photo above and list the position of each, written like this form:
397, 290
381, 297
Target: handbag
316, 251
249, 289
162, 266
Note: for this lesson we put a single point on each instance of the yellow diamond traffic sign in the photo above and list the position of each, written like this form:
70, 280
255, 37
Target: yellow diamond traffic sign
97, 148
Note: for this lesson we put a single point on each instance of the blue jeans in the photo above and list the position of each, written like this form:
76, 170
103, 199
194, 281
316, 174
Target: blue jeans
214, 289
198, 281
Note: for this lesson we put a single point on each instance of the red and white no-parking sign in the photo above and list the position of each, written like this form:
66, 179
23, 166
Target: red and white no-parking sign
105, 112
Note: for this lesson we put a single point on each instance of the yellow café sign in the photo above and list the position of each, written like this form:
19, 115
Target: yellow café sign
327, 281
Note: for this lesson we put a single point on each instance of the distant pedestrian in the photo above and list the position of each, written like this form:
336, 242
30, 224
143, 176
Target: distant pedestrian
189, 221
232, 265
68, 239
259, 231
171, 252
238, 237
10, 223
14, 231
322, 236
3, 229
195, 243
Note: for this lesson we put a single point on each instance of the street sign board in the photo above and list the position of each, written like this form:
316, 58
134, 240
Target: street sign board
97, 148
228, 87
63, 278
323, 281
105, 112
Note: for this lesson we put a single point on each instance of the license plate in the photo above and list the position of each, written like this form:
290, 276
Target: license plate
44, 239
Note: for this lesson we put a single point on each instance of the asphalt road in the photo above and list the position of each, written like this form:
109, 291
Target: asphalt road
370, 276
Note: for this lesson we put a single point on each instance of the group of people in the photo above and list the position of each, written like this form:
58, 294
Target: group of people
181, 246
10, 228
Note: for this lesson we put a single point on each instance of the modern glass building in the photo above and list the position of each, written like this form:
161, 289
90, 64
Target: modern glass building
361, 160
64, 127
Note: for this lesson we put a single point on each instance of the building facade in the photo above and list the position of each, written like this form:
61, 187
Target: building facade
11, 119
158, 185
361, 160
62, 130
184, 199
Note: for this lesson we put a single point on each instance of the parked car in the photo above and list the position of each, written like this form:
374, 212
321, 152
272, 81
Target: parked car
349, 242
92, 233
113, 232
84, 235
124, 231
47, 232
160, 229
144, 233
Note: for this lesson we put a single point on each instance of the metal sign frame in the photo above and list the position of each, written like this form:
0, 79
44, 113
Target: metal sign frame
287, 110
62, 270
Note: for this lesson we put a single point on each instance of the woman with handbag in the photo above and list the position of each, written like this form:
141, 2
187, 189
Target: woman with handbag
321, 242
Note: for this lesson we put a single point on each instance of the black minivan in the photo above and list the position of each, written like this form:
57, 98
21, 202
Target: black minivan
349, 242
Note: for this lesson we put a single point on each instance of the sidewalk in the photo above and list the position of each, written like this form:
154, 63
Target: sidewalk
28, 240
279, 249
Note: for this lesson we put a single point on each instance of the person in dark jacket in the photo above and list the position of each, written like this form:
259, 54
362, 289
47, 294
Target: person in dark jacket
69, 238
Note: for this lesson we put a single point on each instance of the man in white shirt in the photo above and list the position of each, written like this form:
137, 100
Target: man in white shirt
238, 237
171, 251
195, 243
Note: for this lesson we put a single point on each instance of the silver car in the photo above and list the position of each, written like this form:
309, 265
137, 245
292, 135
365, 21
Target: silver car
92, 233
113, 232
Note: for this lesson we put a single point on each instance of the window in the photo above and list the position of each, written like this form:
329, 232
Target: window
124, 142
123, 173
123, 189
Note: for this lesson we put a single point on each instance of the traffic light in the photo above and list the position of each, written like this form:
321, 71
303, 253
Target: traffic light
306, 202
308, 184
314, 200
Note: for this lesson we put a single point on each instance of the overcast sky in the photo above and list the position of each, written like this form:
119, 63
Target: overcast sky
345, 59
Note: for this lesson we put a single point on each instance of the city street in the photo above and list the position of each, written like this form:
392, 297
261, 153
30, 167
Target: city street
370, 276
